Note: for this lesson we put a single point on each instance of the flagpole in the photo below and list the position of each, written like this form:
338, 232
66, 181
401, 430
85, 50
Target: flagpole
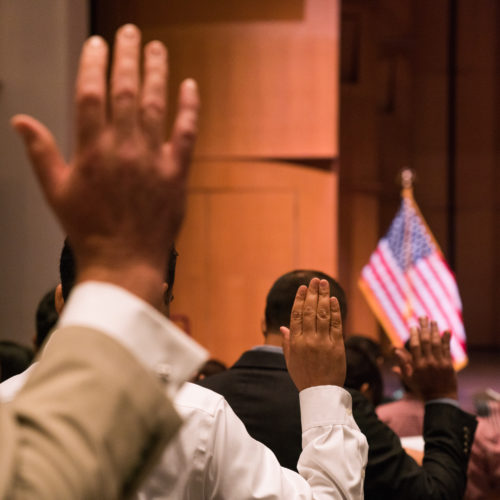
407, 178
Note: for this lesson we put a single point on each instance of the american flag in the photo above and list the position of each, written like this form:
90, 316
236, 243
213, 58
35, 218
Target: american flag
407, 277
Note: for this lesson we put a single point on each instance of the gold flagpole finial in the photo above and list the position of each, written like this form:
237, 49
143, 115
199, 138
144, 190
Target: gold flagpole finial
407, 179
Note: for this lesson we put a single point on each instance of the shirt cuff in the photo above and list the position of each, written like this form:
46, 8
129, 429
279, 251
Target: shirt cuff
157, 342
325, 405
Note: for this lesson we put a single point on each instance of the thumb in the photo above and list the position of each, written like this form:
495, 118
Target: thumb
286, 341
42, 150
404, 362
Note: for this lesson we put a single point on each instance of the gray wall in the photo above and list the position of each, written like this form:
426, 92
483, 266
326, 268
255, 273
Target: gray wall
39, 47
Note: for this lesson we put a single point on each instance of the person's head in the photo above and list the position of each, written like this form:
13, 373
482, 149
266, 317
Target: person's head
67, 274
281, 296
368, 345
46, 318
363, 374
210, 368
14, 358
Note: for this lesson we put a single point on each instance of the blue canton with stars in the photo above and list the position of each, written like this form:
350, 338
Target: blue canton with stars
408, 238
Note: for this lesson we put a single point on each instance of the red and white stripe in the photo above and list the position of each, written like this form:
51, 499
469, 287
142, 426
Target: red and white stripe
429, 289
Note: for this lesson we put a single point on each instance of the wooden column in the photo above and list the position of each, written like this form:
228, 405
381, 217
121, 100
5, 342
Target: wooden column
263, 191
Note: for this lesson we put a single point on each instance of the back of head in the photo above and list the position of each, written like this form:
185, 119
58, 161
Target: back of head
362, 369
281, 296
14, 358
46, 317
368, 345
67, 270
211, 367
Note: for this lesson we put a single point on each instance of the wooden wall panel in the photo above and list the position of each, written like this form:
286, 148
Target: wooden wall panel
246, 225
476, 190
399, 108
268, 78
268, 82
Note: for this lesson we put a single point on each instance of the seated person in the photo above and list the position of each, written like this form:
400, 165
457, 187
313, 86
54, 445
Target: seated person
484, 467
406, 418
261, 393
51, 449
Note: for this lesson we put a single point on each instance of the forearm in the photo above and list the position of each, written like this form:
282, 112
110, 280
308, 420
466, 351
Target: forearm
335, 451
392, 474
448, 434
332, 463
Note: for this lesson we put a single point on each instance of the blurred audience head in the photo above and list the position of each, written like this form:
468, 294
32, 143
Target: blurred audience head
363, 374
14, 358
367, 344
211, 367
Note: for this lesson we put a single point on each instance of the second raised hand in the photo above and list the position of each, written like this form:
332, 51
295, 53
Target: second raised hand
313, 346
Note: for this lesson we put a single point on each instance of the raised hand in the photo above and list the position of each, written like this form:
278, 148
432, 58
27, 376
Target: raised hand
313, 346
428, 367
121, 199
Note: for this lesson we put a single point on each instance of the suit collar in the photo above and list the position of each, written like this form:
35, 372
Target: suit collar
261, 359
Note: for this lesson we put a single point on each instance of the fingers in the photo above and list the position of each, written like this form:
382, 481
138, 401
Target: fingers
40, 145
415, 343
436, 347
404, 361
154, 92
285, 332
425, 337
125, 80
91, 91
297, 308
445, 344
310, 307
335, 320
185, 126
323, 308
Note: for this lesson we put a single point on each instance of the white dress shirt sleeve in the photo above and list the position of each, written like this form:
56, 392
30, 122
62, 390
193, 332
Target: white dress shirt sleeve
332, 463
151, 337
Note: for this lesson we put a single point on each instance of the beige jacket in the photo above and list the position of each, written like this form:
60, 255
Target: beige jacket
87, 425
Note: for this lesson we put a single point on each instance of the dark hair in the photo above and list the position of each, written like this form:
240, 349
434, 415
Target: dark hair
362, 368
211, 367
46, 317
365, 343
67, 269
14, 358
280, 298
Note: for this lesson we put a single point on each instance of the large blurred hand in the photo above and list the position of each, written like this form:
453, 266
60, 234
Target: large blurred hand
121, 199
428, 367
313, 346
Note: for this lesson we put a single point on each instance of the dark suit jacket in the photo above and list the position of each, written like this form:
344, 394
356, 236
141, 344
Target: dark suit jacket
262, 394
260, 391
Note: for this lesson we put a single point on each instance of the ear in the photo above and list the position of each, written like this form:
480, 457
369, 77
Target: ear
263, 326
58, 299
